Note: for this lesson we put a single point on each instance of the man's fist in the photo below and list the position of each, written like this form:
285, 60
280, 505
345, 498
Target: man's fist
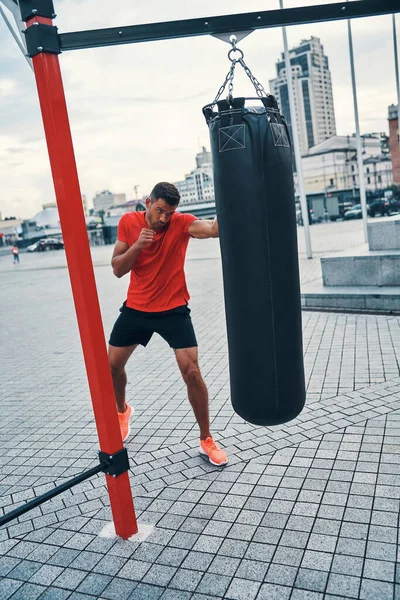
145, 238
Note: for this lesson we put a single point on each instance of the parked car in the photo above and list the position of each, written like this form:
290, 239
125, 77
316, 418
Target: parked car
353, 213
46, 244
394, 206
379, 207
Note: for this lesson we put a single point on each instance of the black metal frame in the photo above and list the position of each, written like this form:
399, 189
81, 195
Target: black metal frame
113, 465
217, 25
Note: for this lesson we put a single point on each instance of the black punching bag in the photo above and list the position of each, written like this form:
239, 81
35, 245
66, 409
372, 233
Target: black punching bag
255, 205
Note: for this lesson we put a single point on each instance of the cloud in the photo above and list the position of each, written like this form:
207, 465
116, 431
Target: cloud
135, 110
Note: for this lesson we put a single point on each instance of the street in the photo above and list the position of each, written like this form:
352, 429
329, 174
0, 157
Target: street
306, 510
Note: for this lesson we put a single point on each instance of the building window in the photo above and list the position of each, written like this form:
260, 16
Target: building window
331, 182
368, 179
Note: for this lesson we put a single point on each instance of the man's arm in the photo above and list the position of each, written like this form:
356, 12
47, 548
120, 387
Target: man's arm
204, 229
125, 257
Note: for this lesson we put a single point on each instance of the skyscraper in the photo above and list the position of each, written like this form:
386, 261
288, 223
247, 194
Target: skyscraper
312, 87
198, 185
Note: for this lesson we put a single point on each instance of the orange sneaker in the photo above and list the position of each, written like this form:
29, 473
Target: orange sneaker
216, 456
124, 422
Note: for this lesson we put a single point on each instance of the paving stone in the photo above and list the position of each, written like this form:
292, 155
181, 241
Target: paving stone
94, 584
159, 575
351, 546
109, 565
25, 570
186, 579
46, 574
84, 561
121, 589
52, 593
9, 587
176, 595
371, 590
63, 557
198, 561
213, 584
207, 543
281, 575
134, 570
69, 578
379, 569
347, 565
7, 564
28, 591
270, 591
381, 551
312, 580
144, 591
343, 585
250, 569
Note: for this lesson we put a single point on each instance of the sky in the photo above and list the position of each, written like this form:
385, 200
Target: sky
135, 110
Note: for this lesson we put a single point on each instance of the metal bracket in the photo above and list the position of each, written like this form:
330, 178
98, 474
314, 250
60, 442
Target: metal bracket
226, 37
115, 464
36, 8
42, 38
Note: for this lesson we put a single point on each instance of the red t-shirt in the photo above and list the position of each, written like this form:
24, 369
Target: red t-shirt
158, 280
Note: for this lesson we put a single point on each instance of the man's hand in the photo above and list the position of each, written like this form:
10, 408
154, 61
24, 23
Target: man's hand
145, 239
125, 257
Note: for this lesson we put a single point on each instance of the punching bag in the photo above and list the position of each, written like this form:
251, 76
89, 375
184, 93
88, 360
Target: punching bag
254, 195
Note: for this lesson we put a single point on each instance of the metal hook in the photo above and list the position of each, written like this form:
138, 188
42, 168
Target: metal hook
235, 60
233, 40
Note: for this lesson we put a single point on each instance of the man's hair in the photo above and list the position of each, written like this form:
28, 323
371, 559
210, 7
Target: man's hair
167, 192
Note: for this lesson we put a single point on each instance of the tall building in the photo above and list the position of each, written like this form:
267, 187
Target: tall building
106, 199
394, 142
312, 89
198, 186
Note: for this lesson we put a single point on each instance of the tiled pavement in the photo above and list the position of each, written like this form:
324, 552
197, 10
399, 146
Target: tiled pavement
304, 511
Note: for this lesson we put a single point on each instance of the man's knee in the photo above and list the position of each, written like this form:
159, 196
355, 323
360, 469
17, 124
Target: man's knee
116, 370
191, 374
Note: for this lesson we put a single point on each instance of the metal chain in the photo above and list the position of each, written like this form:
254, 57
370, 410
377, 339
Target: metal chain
260, 90
228, 79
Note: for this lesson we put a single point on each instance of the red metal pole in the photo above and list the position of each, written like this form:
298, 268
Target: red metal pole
69, 201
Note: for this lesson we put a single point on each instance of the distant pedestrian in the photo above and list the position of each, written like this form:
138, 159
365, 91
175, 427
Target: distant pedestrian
15, 253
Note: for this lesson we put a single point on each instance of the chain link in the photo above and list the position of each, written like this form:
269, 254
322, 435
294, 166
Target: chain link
260, 90
228, 79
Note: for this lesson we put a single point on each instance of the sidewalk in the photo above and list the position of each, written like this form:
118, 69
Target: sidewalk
304, 511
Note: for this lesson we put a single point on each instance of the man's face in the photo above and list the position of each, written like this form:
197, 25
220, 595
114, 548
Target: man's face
159, 213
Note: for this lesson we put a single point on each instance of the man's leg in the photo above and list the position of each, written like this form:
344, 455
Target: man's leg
118, 357
187, 359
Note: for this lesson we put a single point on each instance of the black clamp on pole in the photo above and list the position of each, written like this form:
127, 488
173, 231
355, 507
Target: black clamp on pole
114, 464
36, 8
42, 38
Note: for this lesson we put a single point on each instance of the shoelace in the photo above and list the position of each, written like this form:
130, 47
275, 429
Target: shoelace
210, 444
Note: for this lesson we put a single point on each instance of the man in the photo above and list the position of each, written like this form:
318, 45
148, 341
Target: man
15, 253
152, 247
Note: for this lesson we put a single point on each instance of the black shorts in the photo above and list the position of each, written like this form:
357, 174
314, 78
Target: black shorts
137, 327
